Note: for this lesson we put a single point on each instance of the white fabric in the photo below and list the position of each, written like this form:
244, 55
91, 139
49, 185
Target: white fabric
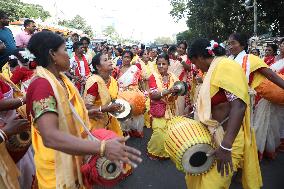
278, 65
239, 59
73, 65
268, 121
127, 78
27, 169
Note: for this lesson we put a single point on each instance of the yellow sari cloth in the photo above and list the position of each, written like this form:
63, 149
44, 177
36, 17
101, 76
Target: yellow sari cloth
9, 172
6, 71
255, 64
229, 76
155, 146
106, 95
55, 169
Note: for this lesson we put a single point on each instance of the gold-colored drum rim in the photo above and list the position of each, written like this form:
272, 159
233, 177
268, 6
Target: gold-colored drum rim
103, 166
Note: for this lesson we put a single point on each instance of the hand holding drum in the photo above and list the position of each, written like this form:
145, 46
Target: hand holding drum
16, 126
117, 151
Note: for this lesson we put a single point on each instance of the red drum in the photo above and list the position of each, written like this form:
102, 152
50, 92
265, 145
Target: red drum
271, 92
136, 99
99, 170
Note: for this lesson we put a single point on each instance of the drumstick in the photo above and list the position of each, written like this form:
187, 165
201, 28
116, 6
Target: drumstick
92, 137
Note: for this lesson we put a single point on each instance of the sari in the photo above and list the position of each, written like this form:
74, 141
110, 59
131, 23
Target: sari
130, 81
98, 93
9, 171
244, 151
55, 169
155, 147
22, 76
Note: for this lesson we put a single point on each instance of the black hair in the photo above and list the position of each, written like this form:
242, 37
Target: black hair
198, 49
136, 46
184, 43
85, 39
165, 56
46, 30
40, 45
77, 45
96, 61
172, 49
167, 46
257, 50
28, 22
241, 38
3, 14
142, 46
120, 50
274, 47
141, 53
127, 52
75, 34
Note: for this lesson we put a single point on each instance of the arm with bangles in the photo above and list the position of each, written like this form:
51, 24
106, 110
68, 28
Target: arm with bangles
223, 152
53, 138
272, 76
14, 127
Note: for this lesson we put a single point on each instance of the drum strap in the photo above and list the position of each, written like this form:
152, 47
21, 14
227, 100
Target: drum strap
220, 125
91, 137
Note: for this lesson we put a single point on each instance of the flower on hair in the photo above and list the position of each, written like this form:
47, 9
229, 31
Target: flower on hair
213, 45
12, 57
26, 54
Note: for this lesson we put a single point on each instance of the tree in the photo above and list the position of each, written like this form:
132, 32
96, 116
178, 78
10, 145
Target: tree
110, 31
79, 23
163, 40
17, 9
217, 19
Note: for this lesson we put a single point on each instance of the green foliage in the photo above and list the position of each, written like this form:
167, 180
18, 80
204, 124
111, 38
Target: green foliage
217, 19
17, 9
79, 23
163, 40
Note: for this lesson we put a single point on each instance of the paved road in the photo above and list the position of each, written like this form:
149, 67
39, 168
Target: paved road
163, 174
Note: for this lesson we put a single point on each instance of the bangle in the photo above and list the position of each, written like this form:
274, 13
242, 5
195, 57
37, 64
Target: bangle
103, 148
100, 109
22, 101
3, 135
224, 148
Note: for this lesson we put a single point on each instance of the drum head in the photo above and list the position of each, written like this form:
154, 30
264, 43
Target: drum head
125, 111
107, 169
195, 161
182, 86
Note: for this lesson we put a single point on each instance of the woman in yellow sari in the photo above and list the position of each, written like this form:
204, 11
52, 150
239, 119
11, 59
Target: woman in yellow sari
58, 115
162, 106
100, 90
223, 106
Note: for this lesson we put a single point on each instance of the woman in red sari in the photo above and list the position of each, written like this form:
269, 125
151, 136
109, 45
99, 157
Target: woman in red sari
270, 53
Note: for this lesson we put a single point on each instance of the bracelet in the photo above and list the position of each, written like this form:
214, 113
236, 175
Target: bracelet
224, 148
103, 148
22, 101
100, 109
3, 135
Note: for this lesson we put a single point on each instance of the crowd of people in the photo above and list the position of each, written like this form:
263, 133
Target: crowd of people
59, 91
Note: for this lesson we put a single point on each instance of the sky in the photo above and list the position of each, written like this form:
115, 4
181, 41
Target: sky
143, 20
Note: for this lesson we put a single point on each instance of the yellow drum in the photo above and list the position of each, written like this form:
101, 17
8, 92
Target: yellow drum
187, 143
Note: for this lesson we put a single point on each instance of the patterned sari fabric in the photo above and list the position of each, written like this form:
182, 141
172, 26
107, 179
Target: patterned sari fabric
98, 93
155, 147
244, 151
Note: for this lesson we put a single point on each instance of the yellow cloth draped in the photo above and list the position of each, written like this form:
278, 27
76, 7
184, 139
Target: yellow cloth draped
55, 169
6, 71
8, 170
155, 146
106, 95
134, 59
255, 64
229, 76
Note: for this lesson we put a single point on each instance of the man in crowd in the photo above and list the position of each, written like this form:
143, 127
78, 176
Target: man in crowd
23, 37
7, 38
134, 50
89, 53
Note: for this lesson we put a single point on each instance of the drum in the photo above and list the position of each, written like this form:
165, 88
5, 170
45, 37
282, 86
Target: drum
136, 99
99, 170
17, 145
271, 92
187, 143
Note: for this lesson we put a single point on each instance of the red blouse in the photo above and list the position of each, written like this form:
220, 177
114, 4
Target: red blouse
21, 74
4, 88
